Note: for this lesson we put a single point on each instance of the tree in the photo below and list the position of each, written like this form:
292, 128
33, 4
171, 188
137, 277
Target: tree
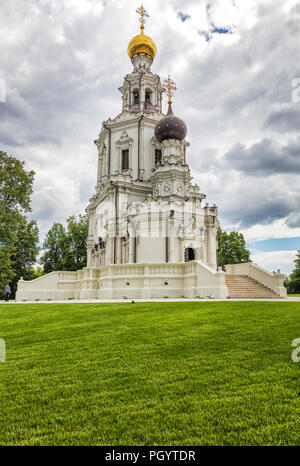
293, 283
8, 241
34, 272
231, 248
65, 248
26, 251
77, 233
56, 246
15, 198
15, 185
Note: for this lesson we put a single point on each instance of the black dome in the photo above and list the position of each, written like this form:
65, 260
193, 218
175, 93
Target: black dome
170, 127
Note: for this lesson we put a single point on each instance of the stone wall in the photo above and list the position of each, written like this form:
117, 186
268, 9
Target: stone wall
159, 280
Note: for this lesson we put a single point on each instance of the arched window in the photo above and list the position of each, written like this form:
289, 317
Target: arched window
136, 97
148, 96
158, 156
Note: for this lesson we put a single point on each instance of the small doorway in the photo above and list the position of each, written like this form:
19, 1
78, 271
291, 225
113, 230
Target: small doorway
189, 254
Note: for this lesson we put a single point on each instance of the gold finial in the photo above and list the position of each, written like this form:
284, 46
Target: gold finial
144, 15
170, 86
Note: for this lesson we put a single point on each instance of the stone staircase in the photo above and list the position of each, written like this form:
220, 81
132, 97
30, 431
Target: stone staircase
242, 286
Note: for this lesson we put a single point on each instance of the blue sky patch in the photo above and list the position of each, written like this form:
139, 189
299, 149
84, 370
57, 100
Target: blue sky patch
275, 244
220, 30
183, 17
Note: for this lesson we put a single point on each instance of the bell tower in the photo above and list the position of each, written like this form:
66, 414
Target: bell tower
126, 150
142, 90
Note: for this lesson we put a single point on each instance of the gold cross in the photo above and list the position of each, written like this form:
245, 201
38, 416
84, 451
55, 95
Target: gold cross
144, 15
170, 86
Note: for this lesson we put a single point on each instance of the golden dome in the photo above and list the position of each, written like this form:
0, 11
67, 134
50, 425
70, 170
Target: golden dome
141, 44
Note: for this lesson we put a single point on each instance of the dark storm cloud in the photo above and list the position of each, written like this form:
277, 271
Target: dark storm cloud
293, 220
284, 120
264, 158
263, 213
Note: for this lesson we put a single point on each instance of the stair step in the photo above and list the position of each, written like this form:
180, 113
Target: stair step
242, 286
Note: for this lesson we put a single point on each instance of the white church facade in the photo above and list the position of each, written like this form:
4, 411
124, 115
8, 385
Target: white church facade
150, 233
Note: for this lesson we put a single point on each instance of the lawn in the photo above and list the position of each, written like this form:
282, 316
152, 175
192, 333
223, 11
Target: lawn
293, 295
190, 373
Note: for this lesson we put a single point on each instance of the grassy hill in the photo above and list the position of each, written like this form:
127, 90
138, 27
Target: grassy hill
150, 374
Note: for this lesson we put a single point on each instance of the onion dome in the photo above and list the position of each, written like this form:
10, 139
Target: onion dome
170, 127
142, 44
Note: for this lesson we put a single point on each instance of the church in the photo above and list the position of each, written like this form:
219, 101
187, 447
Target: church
150, 233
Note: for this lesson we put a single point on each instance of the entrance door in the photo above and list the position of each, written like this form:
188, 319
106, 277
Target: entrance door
189, 255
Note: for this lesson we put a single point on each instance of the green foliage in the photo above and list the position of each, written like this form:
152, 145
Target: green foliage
56, 247
77, 233
18, 238
26, 251
15, 184
293, 282
65, 248
34, 272
231, 248
184, 373
8, 240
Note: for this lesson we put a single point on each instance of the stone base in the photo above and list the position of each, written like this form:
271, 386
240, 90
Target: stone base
133, 281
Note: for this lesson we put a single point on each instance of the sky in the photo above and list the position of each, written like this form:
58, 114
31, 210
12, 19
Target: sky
237, 69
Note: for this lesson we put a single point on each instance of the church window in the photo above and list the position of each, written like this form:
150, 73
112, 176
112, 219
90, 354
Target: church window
158, 156
148, 97
125, 159
136, 97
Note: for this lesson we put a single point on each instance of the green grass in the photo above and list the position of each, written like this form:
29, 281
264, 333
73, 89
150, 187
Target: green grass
293, 295
150, 374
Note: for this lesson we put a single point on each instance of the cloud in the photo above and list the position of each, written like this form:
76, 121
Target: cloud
276, 260
286, 119
264, 158
293, 220
263, 214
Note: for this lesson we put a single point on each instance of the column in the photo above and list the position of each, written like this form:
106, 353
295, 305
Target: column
131, 249
171, 243
212, 248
